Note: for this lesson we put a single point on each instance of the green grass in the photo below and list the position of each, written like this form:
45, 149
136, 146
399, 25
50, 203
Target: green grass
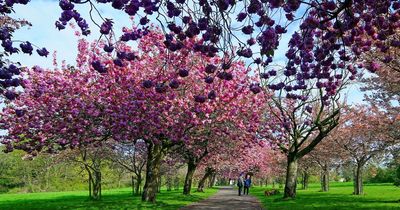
111, 199
377, 196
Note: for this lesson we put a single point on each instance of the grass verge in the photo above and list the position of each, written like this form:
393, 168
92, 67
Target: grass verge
377, 196
111, 199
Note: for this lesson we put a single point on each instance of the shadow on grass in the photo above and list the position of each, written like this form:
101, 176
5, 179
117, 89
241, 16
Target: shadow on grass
165, 200
381, 196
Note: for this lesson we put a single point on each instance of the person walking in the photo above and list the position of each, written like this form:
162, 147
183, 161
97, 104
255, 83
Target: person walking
247, 183
240, 183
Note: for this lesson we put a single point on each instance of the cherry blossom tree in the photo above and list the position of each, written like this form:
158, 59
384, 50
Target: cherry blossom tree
253, 157
363, 135
326, 158
128, 100
9, 71
385, 81
234, 121
299, 126
261, 161
251, 29
383, 89
57, 111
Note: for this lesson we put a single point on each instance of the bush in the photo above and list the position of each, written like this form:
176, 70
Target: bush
384, 175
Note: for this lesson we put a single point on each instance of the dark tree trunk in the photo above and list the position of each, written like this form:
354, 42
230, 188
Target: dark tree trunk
90, 184
212, 180
304, 181
200, 187
96, 194
291, 177
94, 182
358, 182
325, 178
154, 157
159, 184
189, 176
133, 185
209, 180
138, 183
266, 182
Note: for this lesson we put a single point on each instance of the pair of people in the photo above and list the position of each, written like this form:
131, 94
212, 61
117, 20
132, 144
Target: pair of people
244, 184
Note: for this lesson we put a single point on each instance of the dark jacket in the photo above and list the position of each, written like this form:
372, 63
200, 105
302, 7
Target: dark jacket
247, 182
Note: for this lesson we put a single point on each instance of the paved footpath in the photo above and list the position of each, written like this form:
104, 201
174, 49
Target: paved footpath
226, 198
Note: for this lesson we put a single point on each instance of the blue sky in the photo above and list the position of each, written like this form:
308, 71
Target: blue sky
43, 13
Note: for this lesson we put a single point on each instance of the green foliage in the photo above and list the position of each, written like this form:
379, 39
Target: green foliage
314, 179
388, 174
39, 174
111, 199
377, 196
383, 175
47, 173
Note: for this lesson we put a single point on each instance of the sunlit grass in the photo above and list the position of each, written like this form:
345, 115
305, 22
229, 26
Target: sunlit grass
112, 199
377, 196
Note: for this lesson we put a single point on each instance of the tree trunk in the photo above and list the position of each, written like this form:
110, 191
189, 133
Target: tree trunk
138, 183
159, 184
94, 183
209, 180
189, 176
325, 179
90, 184
358, 183
96, 188
291, 177
304, 181
200, 187
133, 185
154, 157
266, 182
212, 181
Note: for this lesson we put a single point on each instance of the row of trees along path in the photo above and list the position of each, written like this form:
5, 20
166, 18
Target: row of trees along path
118, 94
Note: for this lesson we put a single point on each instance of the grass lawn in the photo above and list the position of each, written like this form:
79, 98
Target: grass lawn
111, 199
377, 196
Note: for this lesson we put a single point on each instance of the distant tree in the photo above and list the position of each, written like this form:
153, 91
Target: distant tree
326, 158
91, 159
363, 135
306, 165
132, 157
